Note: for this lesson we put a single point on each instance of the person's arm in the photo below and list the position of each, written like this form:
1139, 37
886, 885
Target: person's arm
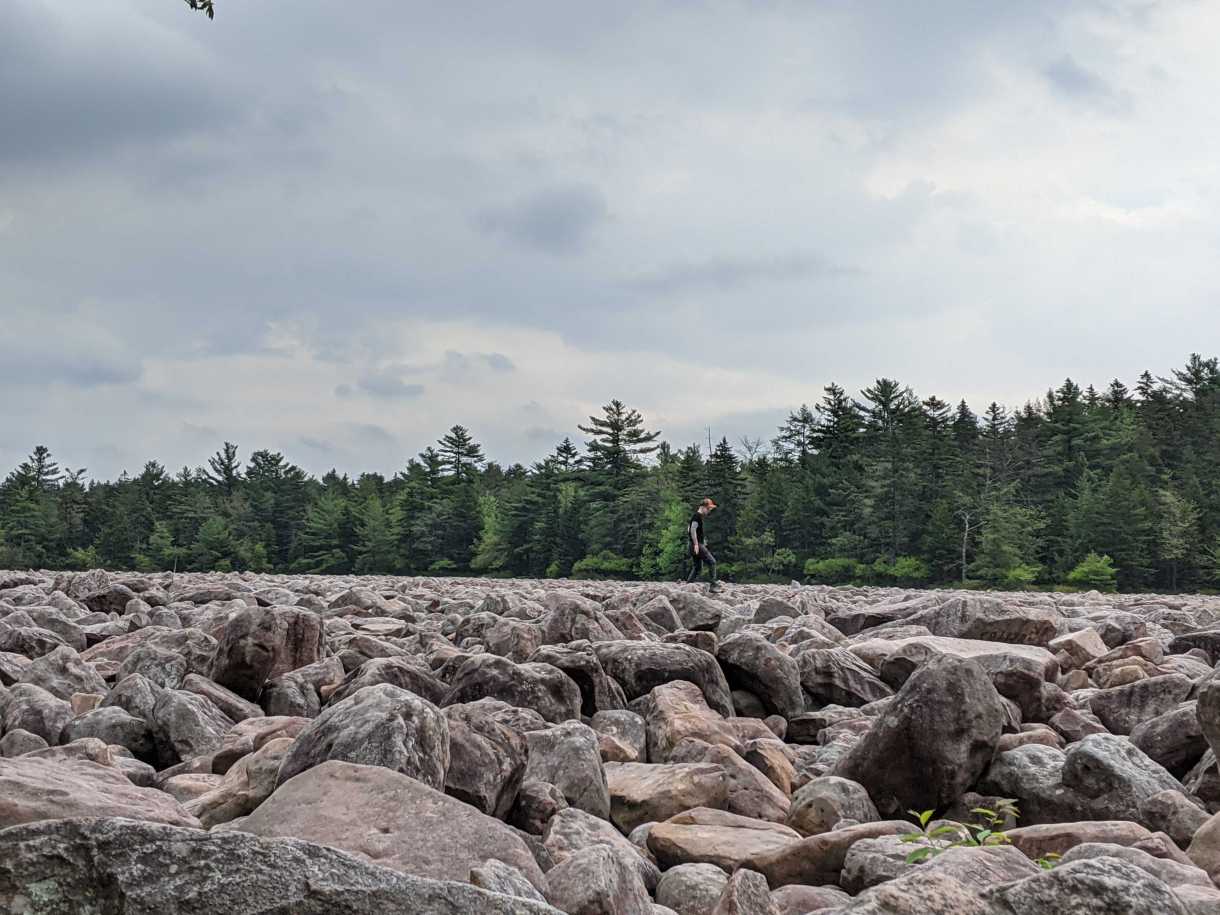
694, 536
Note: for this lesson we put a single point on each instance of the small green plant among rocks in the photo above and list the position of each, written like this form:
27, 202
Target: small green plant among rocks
933, 840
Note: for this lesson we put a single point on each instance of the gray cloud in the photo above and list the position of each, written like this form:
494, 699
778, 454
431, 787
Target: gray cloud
211, 223
559, 220
69, 95
383, 382
728, 274
1076, 82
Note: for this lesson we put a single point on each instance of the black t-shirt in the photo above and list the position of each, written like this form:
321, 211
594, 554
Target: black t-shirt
695, 529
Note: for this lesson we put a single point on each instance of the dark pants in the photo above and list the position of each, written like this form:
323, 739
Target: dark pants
698, 559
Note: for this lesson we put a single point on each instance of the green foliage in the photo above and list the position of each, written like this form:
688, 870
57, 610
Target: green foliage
668, 553
834, 571
378, 529
886, 489
1008, 542
934, 839
1094, 573
603, 565
905, 570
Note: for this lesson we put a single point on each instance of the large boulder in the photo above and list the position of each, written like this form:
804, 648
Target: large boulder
639, 667
62, 673
818, 859
108, 864
186, 725
196, 647
1122, 708
261, 643
405, 673
250, 735
823, 803
932, 742
391, 819
989, 619
702, 836
31, 708
570, 617
836, 676
33, 789
598, 880
115, 727
598, 691
1114, 775
567, 757
752, 663
677, 711
165, 668
692, 889
571, 830
751, 793
1094, 886
377, 726
1018, 672
642, 793
244, 786
486, 757
1173, 739
545, 689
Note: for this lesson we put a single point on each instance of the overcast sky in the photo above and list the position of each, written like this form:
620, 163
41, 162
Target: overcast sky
336, 229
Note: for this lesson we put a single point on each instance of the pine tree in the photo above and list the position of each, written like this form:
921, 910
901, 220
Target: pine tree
460, 454
213, 548
378, 528
225, 470
1177, 531
617, 440
324, 543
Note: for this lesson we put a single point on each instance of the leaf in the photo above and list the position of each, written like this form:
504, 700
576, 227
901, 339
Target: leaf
982, 835
924, 817
983, 811
919, 854
911, 837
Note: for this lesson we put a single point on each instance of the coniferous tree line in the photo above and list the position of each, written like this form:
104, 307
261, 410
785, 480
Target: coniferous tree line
1111, 488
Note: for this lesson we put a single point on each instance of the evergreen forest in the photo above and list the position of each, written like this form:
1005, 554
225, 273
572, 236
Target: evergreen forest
1106, 489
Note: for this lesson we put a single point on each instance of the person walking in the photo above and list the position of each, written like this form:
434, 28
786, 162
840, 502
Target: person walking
698, 546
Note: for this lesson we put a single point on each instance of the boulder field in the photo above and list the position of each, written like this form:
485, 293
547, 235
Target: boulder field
238, 744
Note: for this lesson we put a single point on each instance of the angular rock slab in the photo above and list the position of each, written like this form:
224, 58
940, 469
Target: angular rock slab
642, 793
391, 820
34, 789
105, 865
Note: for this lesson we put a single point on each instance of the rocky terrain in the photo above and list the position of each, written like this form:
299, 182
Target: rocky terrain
259, 744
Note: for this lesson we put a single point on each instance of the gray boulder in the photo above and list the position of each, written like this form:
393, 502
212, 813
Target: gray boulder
185, 726
598, 880
752, 663
62, 673
541, 687
932, 742
377, 726
1096, 886
121, 865
567, 756
486, 757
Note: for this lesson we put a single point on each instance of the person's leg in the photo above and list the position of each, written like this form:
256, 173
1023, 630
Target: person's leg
706, 555
696, 566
